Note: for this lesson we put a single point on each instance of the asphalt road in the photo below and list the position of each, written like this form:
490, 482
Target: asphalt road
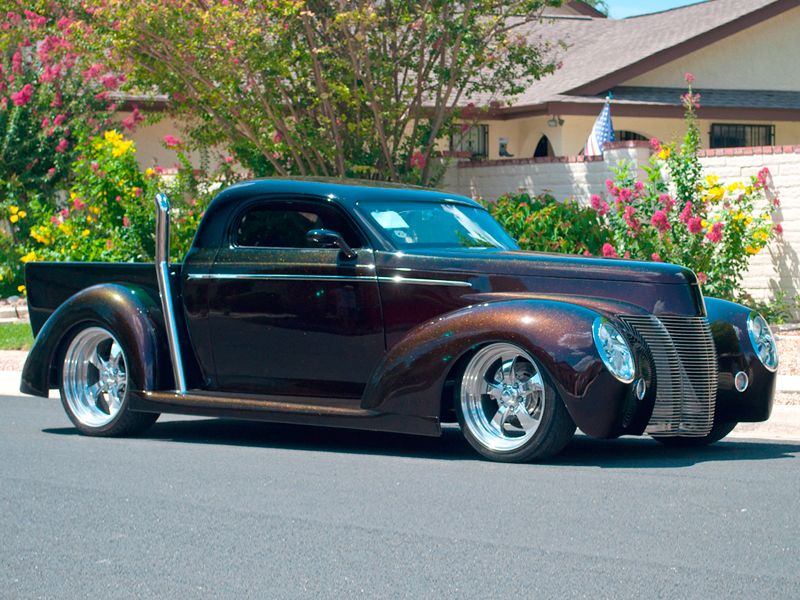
205, 508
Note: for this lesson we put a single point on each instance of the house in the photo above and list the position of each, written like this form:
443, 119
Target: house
744, 56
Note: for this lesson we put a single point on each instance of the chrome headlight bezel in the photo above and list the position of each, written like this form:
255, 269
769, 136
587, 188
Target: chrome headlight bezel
614, 350
763, 341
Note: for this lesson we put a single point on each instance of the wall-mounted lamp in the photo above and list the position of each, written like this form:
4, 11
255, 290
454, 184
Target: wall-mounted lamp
555, 121
504, 148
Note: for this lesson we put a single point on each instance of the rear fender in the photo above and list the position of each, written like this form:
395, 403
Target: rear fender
128, 311
410, 378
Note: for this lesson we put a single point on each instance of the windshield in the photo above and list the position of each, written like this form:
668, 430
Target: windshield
433, 225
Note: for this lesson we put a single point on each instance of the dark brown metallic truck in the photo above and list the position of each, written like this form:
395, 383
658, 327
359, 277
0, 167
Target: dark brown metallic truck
395, 309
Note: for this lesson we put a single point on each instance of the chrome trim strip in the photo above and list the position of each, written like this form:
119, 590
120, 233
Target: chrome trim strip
399, 279
395, 279
162, 274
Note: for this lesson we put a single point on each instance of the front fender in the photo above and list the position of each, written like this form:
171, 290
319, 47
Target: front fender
128, 311
410, 378
735, 353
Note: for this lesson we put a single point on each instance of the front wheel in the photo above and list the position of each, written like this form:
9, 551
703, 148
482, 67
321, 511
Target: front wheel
718, 431
95, 386
507, 408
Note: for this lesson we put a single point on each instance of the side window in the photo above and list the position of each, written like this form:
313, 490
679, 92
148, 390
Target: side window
285, 225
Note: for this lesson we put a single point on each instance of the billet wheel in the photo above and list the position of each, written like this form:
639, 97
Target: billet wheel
718, 431
507, 408
95, 384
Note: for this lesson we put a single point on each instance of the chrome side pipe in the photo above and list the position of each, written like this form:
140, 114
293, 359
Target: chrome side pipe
162, 274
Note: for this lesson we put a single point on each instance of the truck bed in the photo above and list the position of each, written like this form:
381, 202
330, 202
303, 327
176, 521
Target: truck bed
49, 284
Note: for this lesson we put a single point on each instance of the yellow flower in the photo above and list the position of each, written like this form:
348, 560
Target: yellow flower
752, 249
28, 257
89, 219
95, 210
664, 154
149, 172
65, 228
113, 136
712, 179
13, 218
22, 214
85, 232
13, 209
21, 289
716, 193
121, 148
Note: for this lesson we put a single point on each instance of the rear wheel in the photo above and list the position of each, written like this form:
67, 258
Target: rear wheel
95, 386
718, 431
507, 408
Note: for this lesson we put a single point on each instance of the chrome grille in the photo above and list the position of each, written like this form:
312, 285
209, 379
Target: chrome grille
686, 373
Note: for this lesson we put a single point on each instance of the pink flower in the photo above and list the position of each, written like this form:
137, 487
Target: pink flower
660, 221
776, 201
95, 166
64, 212
58, 121
608, 251
109, 245
596, 202
126, 222
627, 255
133, 121
56, 100
655, 144
102, 97
639, 186
701, 277
16, 63
656, 257
110, 82
689, 78
22, 97
778, 228
278, 137
625, 194
715, 235
695, 225
45, 123
686, 213
604, 209
587, 253
54, 220
667, 201
62, 146
632, 221
79, 204
171, 142
418, 160
610, 185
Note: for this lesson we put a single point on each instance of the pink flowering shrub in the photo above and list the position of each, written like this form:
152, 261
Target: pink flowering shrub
697, 221
543, 224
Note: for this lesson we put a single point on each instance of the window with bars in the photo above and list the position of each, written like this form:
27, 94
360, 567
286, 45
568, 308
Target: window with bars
630, 136
726, 135
474, 139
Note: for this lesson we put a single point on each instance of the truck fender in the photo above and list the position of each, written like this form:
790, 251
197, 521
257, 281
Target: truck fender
410, 378
735, 353
127, 311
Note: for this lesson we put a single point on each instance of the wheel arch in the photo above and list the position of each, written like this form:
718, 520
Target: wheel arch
129, 312
411, 378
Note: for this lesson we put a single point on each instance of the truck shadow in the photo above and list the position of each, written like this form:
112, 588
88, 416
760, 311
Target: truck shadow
582, 451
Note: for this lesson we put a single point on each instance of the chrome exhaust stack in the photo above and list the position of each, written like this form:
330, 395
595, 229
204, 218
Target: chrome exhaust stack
162, 274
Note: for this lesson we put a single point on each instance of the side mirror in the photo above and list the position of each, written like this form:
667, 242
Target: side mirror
325, 238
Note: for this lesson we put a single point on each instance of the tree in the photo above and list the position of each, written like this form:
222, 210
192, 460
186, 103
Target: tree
328, 87
598, 5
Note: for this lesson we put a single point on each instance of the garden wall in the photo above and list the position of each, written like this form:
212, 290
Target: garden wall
777, 267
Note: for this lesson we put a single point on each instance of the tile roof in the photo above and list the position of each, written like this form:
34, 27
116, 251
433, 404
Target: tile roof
708, 97
599, 49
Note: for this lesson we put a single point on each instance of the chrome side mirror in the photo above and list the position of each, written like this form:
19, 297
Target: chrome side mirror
325, 238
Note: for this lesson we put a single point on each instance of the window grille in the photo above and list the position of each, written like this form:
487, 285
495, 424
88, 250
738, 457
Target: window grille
727, 135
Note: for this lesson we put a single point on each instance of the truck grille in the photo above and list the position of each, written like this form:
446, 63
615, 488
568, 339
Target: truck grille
686, 373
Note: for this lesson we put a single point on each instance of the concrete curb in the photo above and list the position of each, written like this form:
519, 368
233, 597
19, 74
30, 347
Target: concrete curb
784, 423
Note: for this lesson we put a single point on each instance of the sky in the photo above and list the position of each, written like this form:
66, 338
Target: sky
619, 9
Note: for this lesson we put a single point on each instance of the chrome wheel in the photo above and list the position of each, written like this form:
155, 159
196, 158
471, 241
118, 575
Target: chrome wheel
94, 377
502, 397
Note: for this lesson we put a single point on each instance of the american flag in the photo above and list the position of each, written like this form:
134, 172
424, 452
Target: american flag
602, 132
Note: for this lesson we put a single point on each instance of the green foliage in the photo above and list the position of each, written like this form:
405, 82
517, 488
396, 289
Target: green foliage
314, 87
544, 224
15, 336
109, 214
777, 311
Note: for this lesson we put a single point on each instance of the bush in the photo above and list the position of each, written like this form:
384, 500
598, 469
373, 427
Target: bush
544, 224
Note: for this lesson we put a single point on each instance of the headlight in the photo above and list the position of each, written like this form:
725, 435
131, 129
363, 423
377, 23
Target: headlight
614, 350
762, 340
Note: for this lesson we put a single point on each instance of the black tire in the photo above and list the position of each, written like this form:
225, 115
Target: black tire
718, 431
95, 385
507, 408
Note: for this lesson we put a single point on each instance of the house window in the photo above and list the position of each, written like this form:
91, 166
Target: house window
629, 136
724, 135
474, 139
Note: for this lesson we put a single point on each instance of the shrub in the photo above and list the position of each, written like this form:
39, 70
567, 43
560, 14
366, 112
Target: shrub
544, 224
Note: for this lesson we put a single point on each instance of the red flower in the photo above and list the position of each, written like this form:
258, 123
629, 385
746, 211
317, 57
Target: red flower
778, 228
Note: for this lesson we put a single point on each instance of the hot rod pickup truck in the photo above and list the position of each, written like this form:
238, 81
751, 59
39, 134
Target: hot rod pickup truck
396, 309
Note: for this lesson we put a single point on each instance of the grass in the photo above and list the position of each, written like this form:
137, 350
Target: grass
15, 336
